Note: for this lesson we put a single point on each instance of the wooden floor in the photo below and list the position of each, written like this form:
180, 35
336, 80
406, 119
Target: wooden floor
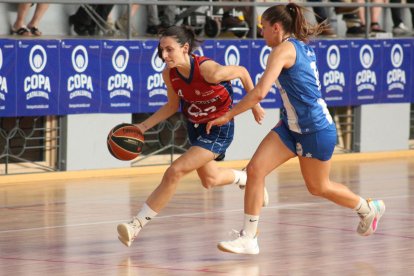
68, 226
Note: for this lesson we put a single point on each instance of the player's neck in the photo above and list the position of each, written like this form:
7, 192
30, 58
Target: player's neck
185, 67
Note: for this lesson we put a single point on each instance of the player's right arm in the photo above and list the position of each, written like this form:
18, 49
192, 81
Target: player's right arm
214, 72
167, 110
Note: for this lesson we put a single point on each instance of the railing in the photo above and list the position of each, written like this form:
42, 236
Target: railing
212, 3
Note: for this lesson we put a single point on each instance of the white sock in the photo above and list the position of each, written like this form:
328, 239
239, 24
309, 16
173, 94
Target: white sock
362, 206
250, 225
146, 214
240, 178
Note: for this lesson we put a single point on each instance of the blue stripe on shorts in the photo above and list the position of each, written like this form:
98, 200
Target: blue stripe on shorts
319, 144
217, 141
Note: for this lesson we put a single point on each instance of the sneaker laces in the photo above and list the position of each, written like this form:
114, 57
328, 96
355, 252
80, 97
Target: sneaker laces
234, 234
135, 222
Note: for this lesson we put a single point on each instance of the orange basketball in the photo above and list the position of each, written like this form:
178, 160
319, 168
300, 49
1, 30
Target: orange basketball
125, 141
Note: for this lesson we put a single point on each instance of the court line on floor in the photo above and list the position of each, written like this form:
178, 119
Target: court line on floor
279, 206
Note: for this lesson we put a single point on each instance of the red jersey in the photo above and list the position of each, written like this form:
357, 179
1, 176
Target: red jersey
201, 101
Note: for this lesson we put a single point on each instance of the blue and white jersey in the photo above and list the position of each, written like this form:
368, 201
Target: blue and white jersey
304, 110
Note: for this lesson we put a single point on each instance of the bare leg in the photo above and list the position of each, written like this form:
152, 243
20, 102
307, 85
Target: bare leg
316, 176
39, 12
194, 158
22, 11
270, 154
212, 175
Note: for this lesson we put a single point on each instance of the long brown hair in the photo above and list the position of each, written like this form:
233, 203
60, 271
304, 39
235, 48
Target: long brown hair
292, 18
183, 35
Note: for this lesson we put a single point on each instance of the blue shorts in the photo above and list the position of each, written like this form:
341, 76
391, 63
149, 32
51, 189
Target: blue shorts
217, 141
319, 144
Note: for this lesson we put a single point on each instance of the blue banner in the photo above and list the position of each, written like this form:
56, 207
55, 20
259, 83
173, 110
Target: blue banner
120, 69
76, 76
230, 53
8, 78
258, 59
397, 60
80, 81
37, 77
367, 75
334, 71
153, 88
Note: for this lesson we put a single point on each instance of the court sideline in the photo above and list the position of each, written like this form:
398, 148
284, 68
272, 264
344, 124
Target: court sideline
65, 224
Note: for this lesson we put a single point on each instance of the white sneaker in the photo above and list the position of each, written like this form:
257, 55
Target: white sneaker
369, 222
242, 244
129, 231
401, 29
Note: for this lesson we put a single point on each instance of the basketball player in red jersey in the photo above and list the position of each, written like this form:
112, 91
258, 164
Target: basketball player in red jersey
203, 89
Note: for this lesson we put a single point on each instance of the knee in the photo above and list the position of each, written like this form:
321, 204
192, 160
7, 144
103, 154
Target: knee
208, 182
173, 174
317, 189
254, 171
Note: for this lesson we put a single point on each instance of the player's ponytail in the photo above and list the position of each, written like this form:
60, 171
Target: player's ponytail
292, 18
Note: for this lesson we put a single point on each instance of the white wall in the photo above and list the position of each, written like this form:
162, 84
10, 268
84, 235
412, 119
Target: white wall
86, 141
383, 127
248, 134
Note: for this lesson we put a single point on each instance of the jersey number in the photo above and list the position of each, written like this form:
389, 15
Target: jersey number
316, 74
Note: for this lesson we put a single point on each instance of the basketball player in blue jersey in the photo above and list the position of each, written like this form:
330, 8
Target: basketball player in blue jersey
306, 129
202, 88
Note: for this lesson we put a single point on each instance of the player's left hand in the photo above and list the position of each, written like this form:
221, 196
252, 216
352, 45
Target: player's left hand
258, 113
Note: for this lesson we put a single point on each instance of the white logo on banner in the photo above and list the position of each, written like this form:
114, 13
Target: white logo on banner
366, 79
232, 57
397, 55
80, 85
198, 52
120, 84
366, 56
80, 58
3, 80
264, 55
37, 85
157, 64
333, 57
37, 58
120, 59
396, 78
1, 58
333, 80
155, 82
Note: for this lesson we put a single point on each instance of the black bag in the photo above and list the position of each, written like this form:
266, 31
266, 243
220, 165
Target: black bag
82, 21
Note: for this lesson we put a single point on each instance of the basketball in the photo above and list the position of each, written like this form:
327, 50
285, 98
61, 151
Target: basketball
125, 142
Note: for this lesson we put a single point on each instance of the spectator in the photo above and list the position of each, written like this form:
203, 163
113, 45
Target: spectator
396, 13
349, 15
32, 28
155, 23
83, 23
375, 14
322, 16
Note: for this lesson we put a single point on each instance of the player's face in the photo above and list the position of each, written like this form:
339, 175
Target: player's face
172, 52
268, 32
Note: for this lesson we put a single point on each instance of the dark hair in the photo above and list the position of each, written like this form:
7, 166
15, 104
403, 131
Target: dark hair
182, 35
292, 18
